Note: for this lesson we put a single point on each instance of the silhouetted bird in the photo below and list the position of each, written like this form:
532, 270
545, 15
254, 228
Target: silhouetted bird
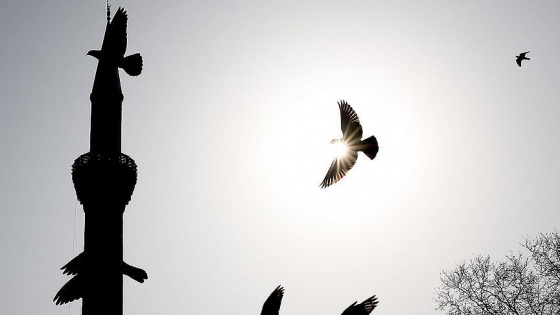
351, 137
521, 57
114, 46
71, 291
272, 305
363, 308
82, 270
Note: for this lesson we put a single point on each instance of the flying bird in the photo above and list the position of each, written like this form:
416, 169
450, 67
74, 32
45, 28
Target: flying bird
351, 138
521, 57
114, 45
272, 305
363, 308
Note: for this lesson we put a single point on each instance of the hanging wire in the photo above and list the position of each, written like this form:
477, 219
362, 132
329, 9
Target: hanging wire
123, 282
74, 233
73, 241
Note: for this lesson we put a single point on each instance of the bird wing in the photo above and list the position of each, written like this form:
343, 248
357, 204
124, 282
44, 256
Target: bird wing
71, 291
339, 167
363, 308
75, 265
114, 43
272, 305
349, 122
518, 60
367, 306
350, 310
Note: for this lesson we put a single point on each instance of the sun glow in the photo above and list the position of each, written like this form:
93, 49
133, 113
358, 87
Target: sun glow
338, 149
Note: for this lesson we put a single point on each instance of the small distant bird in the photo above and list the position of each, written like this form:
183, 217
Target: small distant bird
521, 57
272, 305
351, 138
114, 45
363, 308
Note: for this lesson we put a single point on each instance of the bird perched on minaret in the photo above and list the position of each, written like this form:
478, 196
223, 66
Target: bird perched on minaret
114, 45
81, 268
363, 308
272, 305
351, 139
521, 57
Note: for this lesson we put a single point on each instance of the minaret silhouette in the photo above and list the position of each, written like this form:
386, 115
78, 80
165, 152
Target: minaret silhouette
104, 180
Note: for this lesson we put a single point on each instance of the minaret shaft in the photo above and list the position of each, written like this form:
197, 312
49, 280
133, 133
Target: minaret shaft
103, 243
106, 110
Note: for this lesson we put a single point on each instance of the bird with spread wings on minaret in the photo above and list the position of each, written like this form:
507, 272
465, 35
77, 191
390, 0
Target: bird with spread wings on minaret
114, 45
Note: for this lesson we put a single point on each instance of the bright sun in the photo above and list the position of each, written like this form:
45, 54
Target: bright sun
338, 149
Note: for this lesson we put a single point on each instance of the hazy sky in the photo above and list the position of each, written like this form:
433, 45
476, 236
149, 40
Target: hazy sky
230, 122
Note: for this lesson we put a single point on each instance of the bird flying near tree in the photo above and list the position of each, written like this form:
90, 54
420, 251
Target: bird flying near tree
272, 305
351, 138
114, 45
521, 57
363, 308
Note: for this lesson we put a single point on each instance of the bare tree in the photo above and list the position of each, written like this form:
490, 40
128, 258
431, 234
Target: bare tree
518, 286
545, 249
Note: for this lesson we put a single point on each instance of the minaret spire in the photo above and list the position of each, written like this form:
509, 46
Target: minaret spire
104, 180
108, 11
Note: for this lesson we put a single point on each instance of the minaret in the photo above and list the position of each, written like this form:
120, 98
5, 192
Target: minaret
104, 179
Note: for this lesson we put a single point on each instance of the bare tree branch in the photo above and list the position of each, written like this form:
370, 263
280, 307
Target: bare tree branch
517, 286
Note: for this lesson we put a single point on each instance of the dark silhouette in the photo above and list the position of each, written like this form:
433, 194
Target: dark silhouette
363, 308
351, 137
104, 180
517, 284
521, 57
80, 264
272, 305
81, 269
114, 46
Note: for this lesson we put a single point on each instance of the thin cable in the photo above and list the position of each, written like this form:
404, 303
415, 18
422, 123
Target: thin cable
73, 241
74, 234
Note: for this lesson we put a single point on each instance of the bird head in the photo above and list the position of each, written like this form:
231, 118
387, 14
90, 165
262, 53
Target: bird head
95, 54
338, 148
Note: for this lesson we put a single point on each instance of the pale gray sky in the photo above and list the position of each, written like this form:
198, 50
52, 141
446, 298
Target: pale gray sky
229, 125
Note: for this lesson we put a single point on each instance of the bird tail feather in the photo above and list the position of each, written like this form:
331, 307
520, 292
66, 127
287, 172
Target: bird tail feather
370, 147
135, 273
132, 64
